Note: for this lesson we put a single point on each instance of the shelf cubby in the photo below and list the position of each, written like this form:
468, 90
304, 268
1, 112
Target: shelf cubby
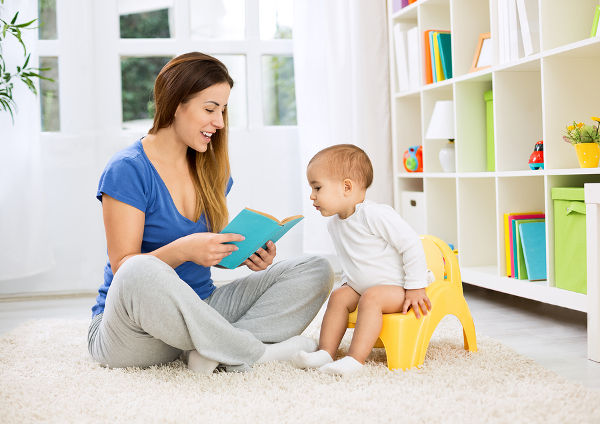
409, 129
517, 194
564, 103
470, 124
440, 201
406, 184
518, 115
432, 147
477, 236
469, 19
564, 22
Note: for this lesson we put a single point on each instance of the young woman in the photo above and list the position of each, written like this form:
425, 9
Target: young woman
163, 202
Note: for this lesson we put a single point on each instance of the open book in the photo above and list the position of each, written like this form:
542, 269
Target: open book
258, 228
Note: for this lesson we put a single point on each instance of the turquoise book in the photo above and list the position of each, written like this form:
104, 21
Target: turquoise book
533, 240
258, 228
445, 53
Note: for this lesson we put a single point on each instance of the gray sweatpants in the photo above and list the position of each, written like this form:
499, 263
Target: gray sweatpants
151, 315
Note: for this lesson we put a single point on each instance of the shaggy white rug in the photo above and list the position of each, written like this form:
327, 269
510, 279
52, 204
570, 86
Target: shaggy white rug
46, 375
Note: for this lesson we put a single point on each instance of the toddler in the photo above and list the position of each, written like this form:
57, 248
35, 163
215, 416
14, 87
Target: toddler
382, 259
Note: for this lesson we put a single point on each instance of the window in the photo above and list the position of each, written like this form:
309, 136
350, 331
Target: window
137, 84
49, 94
47, 20
49, 89
221, 19
279, 95
151, 24
251, 37
276, 19
132, 40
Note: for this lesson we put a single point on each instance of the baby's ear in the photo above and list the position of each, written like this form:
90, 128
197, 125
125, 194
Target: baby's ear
348, 185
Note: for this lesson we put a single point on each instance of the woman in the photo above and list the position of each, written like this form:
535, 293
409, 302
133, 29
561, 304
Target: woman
163, 202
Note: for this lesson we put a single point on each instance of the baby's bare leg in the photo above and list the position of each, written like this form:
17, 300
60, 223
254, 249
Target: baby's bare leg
374, 302
342, 301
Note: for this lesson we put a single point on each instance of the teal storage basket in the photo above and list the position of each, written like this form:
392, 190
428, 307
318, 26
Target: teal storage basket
570, 263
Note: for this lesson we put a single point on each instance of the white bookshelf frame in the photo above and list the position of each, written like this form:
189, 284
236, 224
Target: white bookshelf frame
534, 97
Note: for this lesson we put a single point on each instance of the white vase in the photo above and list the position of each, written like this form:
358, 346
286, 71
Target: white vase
447, 157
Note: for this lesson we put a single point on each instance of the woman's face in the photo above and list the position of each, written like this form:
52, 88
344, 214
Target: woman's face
197, 120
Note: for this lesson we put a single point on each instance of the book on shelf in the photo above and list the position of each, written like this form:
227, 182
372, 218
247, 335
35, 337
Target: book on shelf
427, 57
398, 4
513, 31
508, 236
530, 28
519, 258
437, 55
406, 49
412, 51
533, 239
444, 41
518, 29
257, 228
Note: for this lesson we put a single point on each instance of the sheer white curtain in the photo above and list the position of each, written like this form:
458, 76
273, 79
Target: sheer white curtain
24, 241
342, 93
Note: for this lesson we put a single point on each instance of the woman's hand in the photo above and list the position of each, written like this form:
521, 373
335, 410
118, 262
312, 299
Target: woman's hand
416, 299
207, 249
262, 258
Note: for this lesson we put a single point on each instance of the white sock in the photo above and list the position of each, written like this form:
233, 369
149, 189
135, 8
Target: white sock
345, 366
200, 364
283, 351
311, 360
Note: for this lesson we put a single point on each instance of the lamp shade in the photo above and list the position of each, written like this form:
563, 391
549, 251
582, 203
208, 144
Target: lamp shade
441, 124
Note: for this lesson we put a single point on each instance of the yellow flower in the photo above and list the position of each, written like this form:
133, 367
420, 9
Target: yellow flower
580, 125
570, 128
595, 118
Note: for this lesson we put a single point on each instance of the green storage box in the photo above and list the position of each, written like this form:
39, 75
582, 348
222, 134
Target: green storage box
488, 96
570, 264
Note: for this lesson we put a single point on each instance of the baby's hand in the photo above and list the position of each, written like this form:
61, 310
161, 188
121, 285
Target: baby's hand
416, 299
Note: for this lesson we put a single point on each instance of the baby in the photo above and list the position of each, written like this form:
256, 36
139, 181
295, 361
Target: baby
382, 259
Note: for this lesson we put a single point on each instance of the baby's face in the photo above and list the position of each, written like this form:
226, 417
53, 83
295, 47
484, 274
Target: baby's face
327, 192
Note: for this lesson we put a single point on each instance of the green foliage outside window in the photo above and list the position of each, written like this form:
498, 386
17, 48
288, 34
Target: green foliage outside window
280, 92
154, 24
137, 79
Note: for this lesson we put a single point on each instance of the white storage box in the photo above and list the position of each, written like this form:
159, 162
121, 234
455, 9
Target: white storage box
412, 209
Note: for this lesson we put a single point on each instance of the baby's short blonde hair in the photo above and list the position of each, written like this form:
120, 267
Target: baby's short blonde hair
347, 161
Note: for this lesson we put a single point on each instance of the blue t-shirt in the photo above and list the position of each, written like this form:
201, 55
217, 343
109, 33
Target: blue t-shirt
131, 178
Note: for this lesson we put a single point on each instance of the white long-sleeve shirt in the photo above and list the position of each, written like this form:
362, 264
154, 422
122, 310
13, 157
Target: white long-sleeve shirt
376, 246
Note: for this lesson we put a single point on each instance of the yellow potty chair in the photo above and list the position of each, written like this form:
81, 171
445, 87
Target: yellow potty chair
406, 338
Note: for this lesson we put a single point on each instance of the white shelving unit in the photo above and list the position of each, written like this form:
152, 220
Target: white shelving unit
534, 98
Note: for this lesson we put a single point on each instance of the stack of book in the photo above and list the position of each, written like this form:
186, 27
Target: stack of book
525, 242
406, 48
437, 55
518, 29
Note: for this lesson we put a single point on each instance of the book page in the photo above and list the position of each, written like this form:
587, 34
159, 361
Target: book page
283, 222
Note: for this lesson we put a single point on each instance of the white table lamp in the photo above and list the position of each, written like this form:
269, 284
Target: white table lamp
441, 126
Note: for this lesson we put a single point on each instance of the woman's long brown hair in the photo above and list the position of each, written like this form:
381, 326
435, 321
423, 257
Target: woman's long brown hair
177, 82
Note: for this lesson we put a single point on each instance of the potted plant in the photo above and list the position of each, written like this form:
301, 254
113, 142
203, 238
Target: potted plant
24, 73
586, 139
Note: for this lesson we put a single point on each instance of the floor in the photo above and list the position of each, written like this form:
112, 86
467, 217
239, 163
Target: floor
552, 336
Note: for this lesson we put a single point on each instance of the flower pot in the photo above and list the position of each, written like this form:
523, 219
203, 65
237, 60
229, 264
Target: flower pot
588, 154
